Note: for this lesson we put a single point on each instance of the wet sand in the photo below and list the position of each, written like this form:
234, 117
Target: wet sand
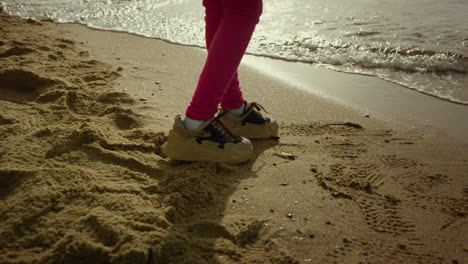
83, 114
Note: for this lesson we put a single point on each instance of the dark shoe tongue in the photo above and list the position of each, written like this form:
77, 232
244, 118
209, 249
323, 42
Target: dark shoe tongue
255, 117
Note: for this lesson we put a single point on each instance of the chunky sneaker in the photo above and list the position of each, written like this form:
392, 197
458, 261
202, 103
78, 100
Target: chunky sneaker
251, 124
212, 141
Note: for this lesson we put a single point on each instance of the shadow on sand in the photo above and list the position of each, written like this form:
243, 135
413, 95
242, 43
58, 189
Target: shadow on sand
198, 194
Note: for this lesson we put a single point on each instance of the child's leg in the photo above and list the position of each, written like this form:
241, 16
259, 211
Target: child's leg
213, 17
233, 97
226, 50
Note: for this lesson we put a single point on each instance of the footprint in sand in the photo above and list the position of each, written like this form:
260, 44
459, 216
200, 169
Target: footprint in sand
22, 85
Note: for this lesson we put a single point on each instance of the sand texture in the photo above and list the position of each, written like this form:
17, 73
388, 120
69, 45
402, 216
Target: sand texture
82, 179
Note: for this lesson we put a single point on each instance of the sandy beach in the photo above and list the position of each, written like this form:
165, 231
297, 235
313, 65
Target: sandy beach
83, 114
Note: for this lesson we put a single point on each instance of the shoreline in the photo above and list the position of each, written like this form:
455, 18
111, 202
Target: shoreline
264, 58
390, 102
82, 177
428, 111
351, 70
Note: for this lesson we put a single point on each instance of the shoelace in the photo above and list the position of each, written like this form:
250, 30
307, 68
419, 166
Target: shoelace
258, 106
224, 131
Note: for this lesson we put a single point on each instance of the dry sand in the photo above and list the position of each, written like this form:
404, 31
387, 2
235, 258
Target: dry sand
83, 114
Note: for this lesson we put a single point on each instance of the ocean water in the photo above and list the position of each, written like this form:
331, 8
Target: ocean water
419, 44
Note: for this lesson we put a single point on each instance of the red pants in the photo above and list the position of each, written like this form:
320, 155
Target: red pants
229, 28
